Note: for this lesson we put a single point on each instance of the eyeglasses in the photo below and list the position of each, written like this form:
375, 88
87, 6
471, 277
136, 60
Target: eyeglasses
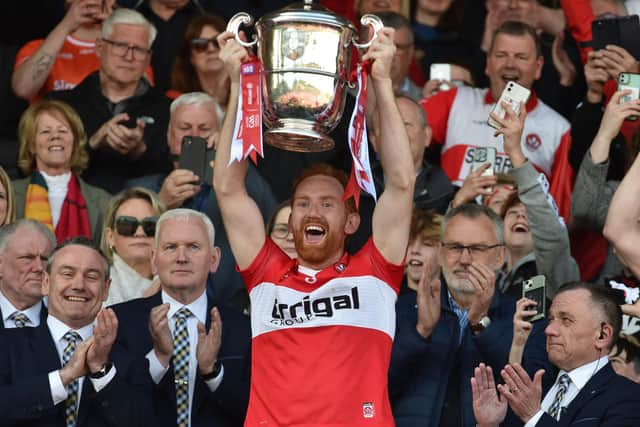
456, 249
127, 225
280, 231
202, 44
122, 49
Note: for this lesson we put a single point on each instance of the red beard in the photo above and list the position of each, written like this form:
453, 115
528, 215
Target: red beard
316, 254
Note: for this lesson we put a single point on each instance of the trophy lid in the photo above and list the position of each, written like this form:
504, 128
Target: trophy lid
307, 11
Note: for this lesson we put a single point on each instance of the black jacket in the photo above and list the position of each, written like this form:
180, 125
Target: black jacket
224, 407
109, 169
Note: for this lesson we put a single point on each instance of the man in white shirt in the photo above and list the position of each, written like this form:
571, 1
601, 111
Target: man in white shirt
584, 320
59, 373
25, 246
176, 337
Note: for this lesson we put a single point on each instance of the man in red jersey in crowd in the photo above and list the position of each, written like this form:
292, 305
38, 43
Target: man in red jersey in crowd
322, 324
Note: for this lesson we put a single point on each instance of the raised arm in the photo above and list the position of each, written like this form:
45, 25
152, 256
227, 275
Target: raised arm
242, 219
29, 76
592, 192
392, 215
622, 228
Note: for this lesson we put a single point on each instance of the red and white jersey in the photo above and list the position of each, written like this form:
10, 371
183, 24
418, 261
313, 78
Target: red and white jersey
321, 344
458, 119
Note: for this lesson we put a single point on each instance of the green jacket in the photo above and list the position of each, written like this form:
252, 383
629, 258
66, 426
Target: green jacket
97, 200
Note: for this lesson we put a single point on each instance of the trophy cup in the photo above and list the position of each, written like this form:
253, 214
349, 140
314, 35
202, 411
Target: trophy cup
305, 50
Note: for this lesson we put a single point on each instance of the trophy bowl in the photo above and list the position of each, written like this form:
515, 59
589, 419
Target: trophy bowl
305, 50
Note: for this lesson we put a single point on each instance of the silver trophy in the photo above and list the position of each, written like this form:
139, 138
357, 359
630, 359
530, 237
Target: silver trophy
305, 50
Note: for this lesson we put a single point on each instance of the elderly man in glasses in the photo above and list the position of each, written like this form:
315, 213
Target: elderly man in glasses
125, 118
459, 321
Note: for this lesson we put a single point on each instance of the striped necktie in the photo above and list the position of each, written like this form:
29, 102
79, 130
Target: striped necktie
71, 404
181, 353
563, 386
19, 319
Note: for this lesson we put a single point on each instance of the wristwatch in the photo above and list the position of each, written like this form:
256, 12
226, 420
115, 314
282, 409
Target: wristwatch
102, 372
217, 367
476, 328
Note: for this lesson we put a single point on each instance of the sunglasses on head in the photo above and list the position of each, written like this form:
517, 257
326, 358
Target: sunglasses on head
127, 225
201, 44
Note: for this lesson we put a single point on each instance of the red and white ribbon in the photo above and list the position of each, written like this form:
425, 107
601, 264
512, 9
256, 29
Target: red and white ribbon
361, 176
247, 132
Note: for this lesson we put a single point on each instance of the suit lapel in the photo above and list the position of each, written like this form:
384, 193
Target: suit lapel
593, 387
45, 355
44, 348
1, 320
201, 390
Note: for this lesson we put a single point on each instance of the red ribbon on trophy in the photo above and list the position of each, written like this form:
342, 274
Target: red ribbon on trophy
247, 133
361, 176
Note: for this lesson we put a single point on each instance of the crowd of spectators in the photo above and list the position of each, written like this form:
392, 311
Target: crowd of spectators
136, 291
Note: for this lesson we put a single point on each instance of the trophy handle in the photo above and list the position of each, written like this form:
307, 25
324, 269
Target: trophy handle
234, 27
376, 25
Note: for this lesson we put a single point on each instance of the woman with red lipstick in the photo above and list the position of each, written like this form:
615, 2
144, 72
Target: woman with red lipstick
52, 157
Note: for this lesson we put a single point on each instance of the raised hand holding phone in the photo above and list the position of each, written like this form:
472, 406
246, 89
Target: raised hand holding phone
511, 127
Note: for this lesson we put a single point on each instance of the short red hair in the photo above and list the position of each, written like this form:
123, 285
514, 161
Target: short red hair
330, 171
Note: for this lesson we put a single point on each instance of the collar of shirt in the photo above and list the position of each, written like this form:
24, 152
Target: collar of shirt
198, 307
463, 320
59, 328
33, 312
581, 375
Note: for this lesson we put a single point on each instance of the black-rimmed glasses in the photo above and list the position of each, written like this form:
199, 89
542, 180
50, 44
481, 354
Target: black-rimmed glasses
456, 249
122, 49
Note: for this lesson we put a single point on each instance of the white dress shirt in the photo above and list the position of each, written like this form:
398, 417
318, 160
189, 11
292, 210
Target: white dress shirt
33, 312
579, 377
198, 309
58, 390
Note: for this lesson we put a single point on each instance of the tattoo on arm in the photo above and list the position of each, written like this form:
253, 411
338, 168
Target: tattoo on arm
43, 66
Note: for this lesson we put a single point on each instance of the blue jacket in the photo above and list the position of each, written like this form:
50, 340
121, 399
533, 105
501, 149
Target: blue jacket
421, 368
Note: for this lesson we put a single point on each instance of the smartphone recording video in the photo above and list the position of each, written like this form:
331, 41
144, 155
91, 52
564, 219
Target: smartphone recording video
513, 94
535, 289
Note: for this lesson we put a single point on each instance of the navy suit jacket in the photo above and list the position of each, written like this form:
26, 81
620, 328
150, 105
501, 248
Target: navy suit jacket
27, 355
227, 405
606, 400
43, 316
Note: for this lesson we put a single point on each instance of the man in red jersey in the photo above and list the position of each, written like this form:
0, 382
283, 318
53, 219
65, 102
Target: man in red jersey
322, 324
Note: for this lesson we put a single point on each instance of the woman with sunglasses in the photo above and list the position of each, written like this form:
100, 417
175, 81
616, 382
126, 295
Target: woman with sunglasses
198, 67
130, 225
52, 156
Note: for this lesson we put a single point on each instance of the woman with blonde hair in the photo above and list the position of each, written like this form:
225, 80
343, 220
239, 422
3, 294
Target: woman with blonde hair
52, 157
127, 241
7, 199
